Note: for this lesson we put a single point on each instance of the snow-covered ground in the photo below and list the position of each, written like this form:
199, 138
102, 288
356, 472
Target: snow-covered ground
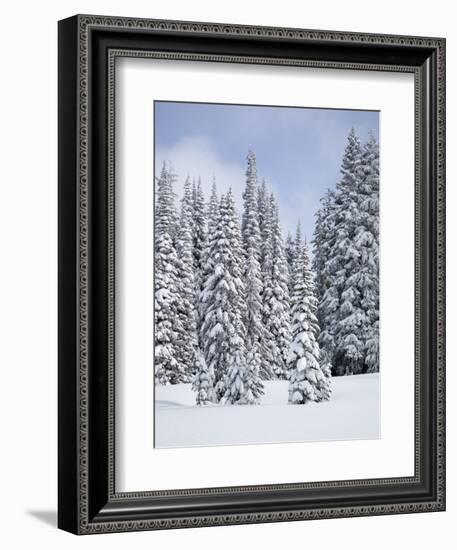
352, 413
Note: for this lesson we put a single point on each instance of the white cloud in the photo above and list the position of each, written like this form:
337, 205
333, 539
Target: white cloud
196, 157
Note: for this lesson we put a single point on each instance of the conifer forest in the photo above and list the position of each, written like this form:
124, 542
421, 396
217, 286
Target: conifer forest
247, 315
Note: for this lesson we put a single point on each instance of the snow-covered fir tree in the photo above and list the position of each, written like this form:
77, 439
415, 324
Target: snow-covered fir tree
213, 208
326, 266
367, 242
166, 291
253, 378
199, 237
250, 232
242, 381
289, 248
292, 249
222, 299
262, 202
212, 220
203, 382
325, 385
186, 344
324, 232
351, 319
166, 215
346, 242
298, 244
251, 202
200, 232
266, 262
307, 381
276, 296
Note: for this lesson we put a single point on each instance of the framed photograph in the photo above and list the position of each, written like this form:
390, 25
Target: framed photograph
251, 274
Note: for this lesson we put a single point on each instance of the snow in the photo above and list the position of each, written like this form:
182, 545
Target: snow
352, 413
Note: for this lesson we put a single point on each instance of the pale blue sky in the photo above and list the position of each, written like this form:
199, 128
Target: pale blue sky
298, 150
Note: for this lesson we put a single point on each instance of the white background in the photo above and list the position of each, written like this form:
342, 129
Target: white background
141, 467
28, 302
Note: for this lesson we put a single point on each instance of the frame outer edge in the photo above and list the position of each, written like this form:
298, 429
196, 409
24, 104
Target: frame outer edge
441, 274
84, 22
68, 452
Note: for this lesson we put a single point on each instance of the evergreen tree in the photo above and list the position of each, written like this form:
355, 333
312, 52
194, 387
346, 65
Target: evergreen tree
194, 191
213, 209
166, 216
367, 241
242, 381
186, 343
223, 299
351, 320
262, 202
276, 296
346, 261
324, 233
250, 198
293, 249
298, 243
167, 324
254, 384
203, 383
326, 309
252, 271
199, 236
266, 252
208, 263
326, 266
289, 250
345, 249
307, 382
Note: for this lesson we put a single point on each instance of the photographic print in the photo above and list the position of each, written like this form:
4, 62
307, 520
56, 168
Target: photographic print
266, 274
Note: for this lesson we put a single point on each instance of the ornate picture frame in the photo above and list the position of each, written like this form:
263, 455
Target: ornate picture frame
88, 500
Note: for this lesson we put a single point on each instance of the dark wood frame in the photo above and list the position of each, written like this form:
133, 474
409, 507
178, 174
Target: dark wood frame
88, 502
